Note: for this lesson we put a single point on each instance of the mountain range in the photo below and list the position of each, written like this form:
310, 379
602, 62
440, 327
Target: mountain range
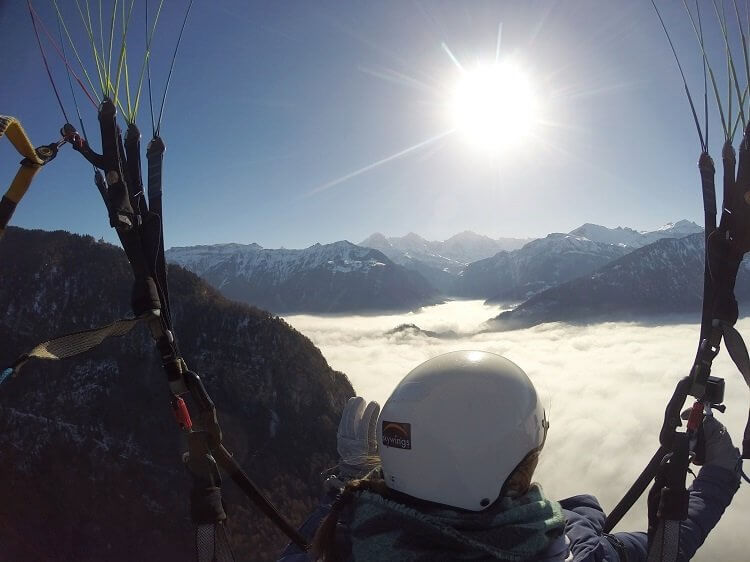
90, 455
440, 261
405, 273
540, 264
338, 277
623, 236
513, 268
665, 277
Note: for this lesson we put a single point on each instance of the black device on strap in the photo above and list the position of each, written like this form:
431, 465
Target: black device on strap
725, 247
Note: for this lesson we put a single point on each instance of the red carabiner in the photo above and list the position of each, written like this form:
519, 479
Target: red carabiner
696, 417
181, 413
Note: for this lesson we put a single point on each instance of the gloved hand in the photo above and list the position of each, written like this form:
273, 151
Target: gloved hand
356, 438
720, 451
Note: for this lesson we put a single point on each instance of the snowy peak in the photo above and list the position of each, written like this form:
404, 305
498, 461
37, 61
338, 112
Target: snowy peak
238, 260
665, 277
540, 264
618, 236
337, 277
623, 236
452, 254
683, 227
376, 241
202, 258
467, 237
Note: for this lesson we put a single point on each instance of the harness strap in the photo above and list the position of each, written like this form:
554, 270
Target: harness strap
73, 344
725, 247
121, 215
665, 543
668, 501
139, 226
155, 159
212, 543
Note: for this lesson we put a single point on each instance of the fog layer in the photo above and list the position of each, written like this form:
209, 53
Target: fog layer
604, 386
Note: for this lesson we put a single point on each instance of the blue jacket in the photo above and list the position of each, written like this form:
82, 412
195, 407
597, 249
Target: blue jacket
583, 541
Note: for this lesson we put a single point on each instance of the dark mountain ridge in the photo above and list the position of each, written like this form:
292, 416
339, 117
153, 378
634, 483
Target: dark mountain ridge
540, 264
90, 455
663, 278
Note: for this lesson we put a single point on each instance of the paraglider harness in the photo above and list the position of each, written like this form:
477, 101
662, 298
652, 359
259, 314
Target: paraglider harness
137, 218
725, 247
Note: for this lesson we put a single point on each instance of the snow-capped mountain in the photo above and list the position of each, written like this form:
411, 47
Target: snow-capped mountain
440, 261
663, 277
454, 253
540, 264
338, 277
624, 236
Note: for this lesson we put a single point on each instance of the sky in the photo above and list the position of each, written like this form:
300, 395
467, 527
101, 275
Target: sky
605, 384
290, 123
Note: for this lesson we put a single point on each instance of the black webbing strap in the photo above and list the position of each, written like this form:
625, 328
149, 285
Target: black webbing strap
225, 459
212, 543
155, 248
206, 507
121, 215
139, 227
668, 502
228, 463
133, 170
725, 247
665, 543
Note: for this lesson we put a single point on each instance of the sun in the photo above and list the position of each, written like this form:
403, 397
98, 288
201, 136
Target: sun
494, 106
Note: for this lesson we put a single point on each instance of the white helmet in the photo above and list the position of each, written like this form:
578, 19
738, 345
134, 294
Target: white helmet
457, 426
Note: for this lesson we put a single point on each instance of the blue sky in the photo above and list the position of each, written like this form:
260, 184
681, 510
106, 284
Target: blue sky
273, 101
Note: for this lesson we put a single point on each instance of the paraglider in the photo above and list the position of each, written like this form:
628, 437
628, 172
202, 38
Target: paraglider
135, 212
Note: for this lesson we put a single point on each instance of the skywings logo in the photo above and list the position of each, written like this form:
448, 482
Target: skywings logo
397, 434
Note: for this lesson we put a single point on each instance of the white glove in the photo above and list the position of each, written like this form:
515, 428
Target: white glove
356, 440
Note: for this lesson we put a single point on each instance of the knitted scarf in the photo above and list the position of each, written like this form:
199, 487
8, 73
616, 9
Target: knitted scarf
511, 529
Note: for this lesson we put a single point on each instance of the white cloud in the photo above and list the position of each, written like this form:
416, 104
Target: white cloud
605, 388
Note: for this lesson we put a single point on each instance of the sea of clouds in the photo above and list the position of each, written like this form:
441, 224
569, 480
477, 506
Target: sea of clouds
604, 386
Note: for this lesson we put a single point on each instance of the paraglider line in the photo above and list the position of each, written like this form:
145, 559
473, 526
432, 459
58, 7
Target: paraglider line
148, 76
70, 84
61, 23
684, 80
46, 64
171, 67
710, 71
35, 19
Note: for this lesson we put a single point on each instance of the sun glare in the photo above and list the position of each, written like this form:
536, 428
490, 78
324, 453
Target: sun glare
494, 106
